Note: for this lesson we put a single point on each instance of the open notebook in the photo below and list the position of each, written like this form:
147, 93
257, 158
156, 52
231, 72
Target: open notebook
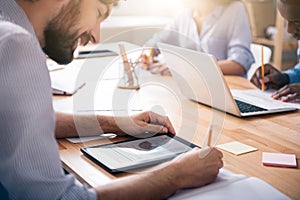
232, 186
64, 78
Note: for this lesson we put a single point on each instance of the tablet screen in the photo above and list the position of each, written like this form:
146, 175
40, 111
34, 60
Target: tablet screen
129, 155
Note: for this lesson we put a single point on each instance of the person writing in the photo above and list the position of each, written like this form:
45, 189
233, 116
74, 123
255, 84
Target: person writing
30, 165
287, 83
217, 27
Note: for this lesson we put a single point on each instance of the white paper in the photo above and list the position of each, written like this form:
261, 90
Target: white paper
232, 186
66, 79
53, 66
90, 138
262, 99
224, 178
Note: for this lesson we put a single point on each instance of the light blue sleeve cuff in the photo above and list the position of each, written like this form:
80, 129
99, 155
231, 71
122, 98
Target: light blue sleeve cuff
294, 74
241, 56
298, 51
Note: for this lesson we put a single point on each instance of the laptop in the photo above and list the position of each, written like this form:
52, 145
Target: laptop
200, 79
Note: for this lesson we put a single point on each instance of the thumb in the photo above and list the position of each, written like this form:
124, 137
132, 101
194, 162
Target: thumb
204, 152
265, 79
152, 128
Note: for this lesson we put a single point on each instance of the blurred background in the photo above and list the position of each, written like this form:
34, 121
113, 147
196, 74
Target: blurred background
136, 21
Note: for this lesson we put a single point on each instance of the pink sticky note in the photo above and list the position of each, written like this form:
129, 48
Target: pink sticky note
279, 159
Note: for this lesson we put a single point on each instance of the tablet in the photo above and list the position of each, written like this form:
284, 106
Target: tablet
95, 53
137, 153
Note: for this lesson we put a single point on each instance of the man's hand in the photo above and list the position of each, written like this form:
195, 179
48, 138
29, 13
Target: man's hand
273, 78
144, 123
288, 93
187, 170
194, 170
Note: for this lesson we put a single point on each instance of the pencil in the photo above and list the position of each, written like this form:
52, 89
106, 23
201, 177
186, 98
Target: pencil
123, 53
209, 136
127, 67
262, 69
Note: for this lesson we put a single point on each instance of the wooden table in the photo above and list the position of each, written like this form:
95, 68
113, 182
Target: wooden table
269, 133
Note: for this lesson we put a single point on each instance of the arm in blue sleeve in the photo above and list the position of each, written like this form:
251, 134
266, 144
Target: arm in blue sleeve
294, 74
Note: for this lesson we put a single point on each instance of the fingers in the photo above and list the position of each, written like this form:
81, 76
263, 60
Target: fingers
281, 92
255, 79
204, 152
221, 164
270, 78
159, 68
197, 172
166, 72
215, 152
163, 121
217, 155
160, 124
169, 126
288, 93
289, 97
154, 66
269, 69
154, 129
212, 153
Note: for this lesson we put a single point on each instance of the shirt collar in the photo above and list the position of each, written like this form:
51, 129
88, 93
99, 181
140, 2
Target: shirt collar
11, 11
216, 13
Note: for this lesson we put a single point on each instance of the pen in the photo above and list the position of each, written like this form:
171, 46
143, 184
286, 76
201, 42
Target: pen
80, 87
262, 69
209, 136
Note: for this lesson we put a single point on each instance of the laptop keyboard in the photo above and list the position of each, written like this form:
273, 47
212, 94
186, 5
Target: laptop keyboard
246, 108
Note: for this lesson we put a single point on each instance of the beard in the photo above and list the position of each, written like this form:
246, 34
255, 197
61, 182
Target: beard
60, 37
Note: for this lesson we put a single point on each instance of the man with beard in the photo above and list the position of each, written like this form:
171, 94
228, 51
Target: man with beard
30, 165
287, 82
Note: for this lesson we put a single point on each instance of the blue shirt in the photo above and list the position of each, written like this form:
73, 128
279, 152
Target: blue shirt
225, 33
294, 73
30, 165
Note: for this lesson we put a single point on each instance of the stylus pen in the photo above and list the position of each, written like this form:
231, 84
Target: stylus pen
209, 136
262, 69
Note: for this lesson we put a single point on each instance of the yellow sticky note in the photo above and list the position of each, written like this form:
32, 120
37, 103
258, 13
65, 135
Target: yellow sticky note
236, 148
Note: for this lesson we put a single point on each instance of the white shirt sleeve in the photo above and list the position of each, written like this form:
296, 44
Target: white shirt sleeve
239, 38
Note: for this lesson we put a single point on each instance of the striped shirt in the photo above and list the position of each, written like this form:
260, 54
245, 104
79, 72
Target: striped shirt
30, 165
